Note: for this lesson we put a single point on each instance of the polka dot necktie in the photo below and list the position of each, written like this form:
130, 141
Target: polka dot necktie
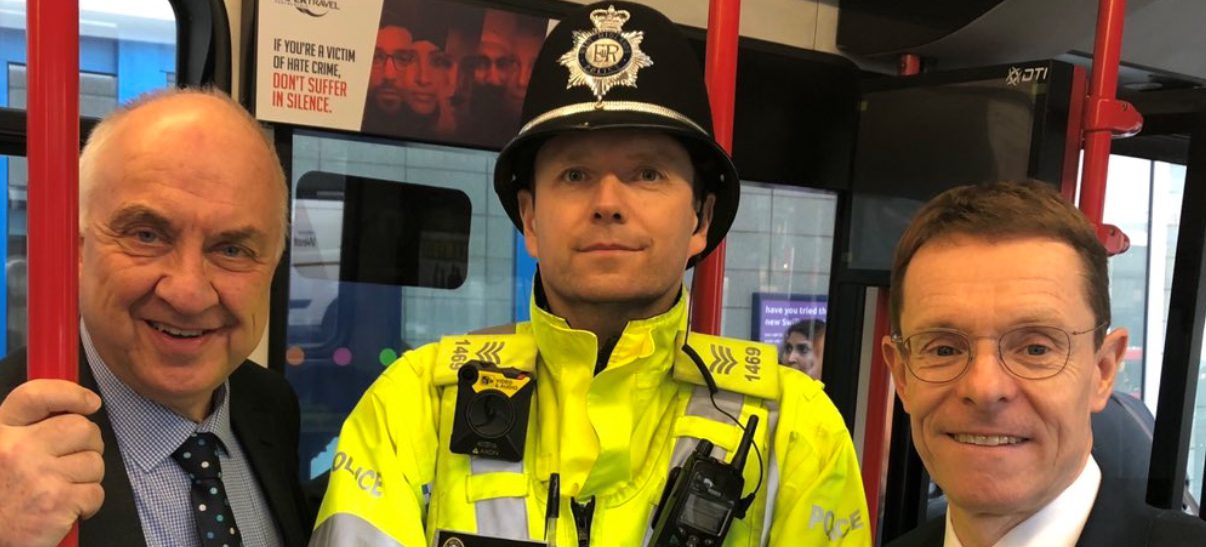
198, 456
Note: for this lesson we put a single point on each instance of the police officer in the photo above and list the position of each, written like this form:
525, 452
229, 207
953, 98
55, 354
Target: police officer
566, 428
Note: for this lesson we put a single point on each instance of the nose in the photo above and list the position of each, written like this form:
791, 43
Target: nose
422, 73
187, 285
609, 201
986, 384
390, 70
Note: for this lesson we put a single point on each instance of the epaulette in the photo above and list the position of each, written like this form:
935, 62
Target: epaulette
499, 345
739, 366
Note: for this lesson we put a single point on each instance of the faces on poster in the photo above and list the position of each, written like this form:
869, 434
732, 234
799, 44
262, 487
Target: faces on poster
408, 74
454, 73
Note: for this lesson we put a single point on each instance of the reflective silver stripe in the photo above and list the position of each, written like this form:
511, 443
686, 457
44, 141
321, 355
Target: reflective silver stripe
701, 405
771, 481
611, 106
500, 517
348, 530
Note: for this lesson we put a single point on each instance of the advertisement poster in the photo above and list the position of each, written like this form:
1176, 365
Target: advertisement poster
774, 313
429, 70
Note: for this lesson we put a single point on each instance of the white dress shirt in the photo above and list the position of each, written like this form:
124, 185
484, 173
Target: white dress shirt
1058, 524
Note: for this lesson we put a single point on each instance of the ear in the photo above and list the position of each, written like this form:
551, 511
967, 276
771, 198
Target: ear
1107, 361
79, 254
703, 221
527, 214
895, 362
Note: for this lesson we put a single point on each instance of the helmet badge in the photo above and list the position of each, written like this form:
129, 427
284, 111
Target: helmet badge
606, 56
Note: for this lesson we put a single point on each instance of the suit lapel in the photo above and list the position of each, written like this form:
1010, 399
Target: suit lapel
1115, 519
931, 533
258, 430
117, 523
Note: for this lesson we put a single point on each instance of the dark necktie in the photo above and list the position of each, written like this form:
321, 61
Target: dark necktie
198, 456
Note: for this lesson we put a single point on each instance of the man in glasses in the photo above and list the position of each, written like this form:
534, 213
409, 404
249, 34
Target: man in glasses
1000, 351
410, 74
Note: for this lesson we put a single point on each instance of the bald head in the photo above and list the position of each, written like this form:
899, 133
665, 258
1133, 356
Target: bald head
182, 226
177, 118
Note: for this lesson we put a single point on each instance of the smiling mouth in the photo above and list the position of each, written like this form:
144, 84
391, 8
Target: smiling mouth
986, 440
178, 332
607, 247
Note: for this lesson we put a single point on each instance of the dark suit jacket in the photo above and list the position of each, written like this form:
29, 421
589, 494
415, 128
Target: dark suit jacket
1115, 521
264, 416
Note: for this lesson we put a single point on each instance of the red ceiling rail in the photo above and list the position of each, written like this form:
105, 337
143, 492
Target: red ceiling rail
53, 134
707, 287
1105, 117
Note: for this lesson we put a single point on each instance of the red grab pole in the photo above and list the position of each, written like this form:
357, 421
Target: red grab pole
720, 69
53, 133
1105, 118
54, 145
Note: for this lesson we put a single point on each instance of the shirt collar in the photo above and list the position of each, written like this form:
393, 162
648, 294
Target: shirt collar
1059, 523
147, 431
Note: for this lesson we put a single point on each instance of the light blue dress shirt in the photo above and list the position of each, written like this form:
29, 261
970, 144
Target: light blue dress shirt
147, 434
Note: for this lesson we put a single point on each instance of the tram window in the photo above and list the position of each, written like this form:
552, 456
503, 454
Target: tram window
1127, 206
1144, 198
361, 230
126, 49
98, 92
14, 252
777, 260
342, 330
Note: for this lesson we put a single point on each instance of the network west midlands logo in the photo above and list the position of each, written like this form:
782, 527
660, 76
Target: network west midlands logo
313, 8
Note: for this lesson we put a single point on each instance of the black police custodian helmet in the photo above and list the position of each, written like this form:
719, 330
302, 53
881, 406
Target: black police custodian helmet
618, 65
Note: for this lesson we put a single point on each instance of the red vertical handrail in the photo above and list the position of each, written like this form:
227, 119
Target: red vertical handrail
1075, 134
720, 69
53, 133
879, 405
1105, 116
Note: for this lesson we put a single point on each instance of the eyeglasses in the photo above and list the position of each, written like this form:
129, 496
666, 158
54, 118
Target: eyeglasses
404, 58
400, 59
1029, 352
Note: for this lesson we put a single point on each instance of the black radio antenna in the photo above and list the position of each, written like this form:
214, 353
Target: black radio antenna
747, 439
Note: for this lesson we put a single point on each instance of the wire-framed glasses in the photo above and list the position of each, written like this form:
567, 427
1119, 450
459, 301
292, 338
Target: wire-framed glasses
401, 59
1032, 352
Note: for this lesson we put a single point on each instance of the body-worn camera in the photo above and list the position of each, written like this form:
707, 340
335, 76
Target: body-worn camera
702, 497
492, 406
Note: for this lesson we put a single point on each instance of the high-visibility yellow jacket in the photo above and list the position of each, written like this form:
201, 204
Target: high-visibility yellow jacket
613, 437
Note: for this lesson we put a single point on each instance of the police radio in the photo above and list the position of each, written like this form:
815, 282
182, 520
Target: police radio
702, 497
492, 406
